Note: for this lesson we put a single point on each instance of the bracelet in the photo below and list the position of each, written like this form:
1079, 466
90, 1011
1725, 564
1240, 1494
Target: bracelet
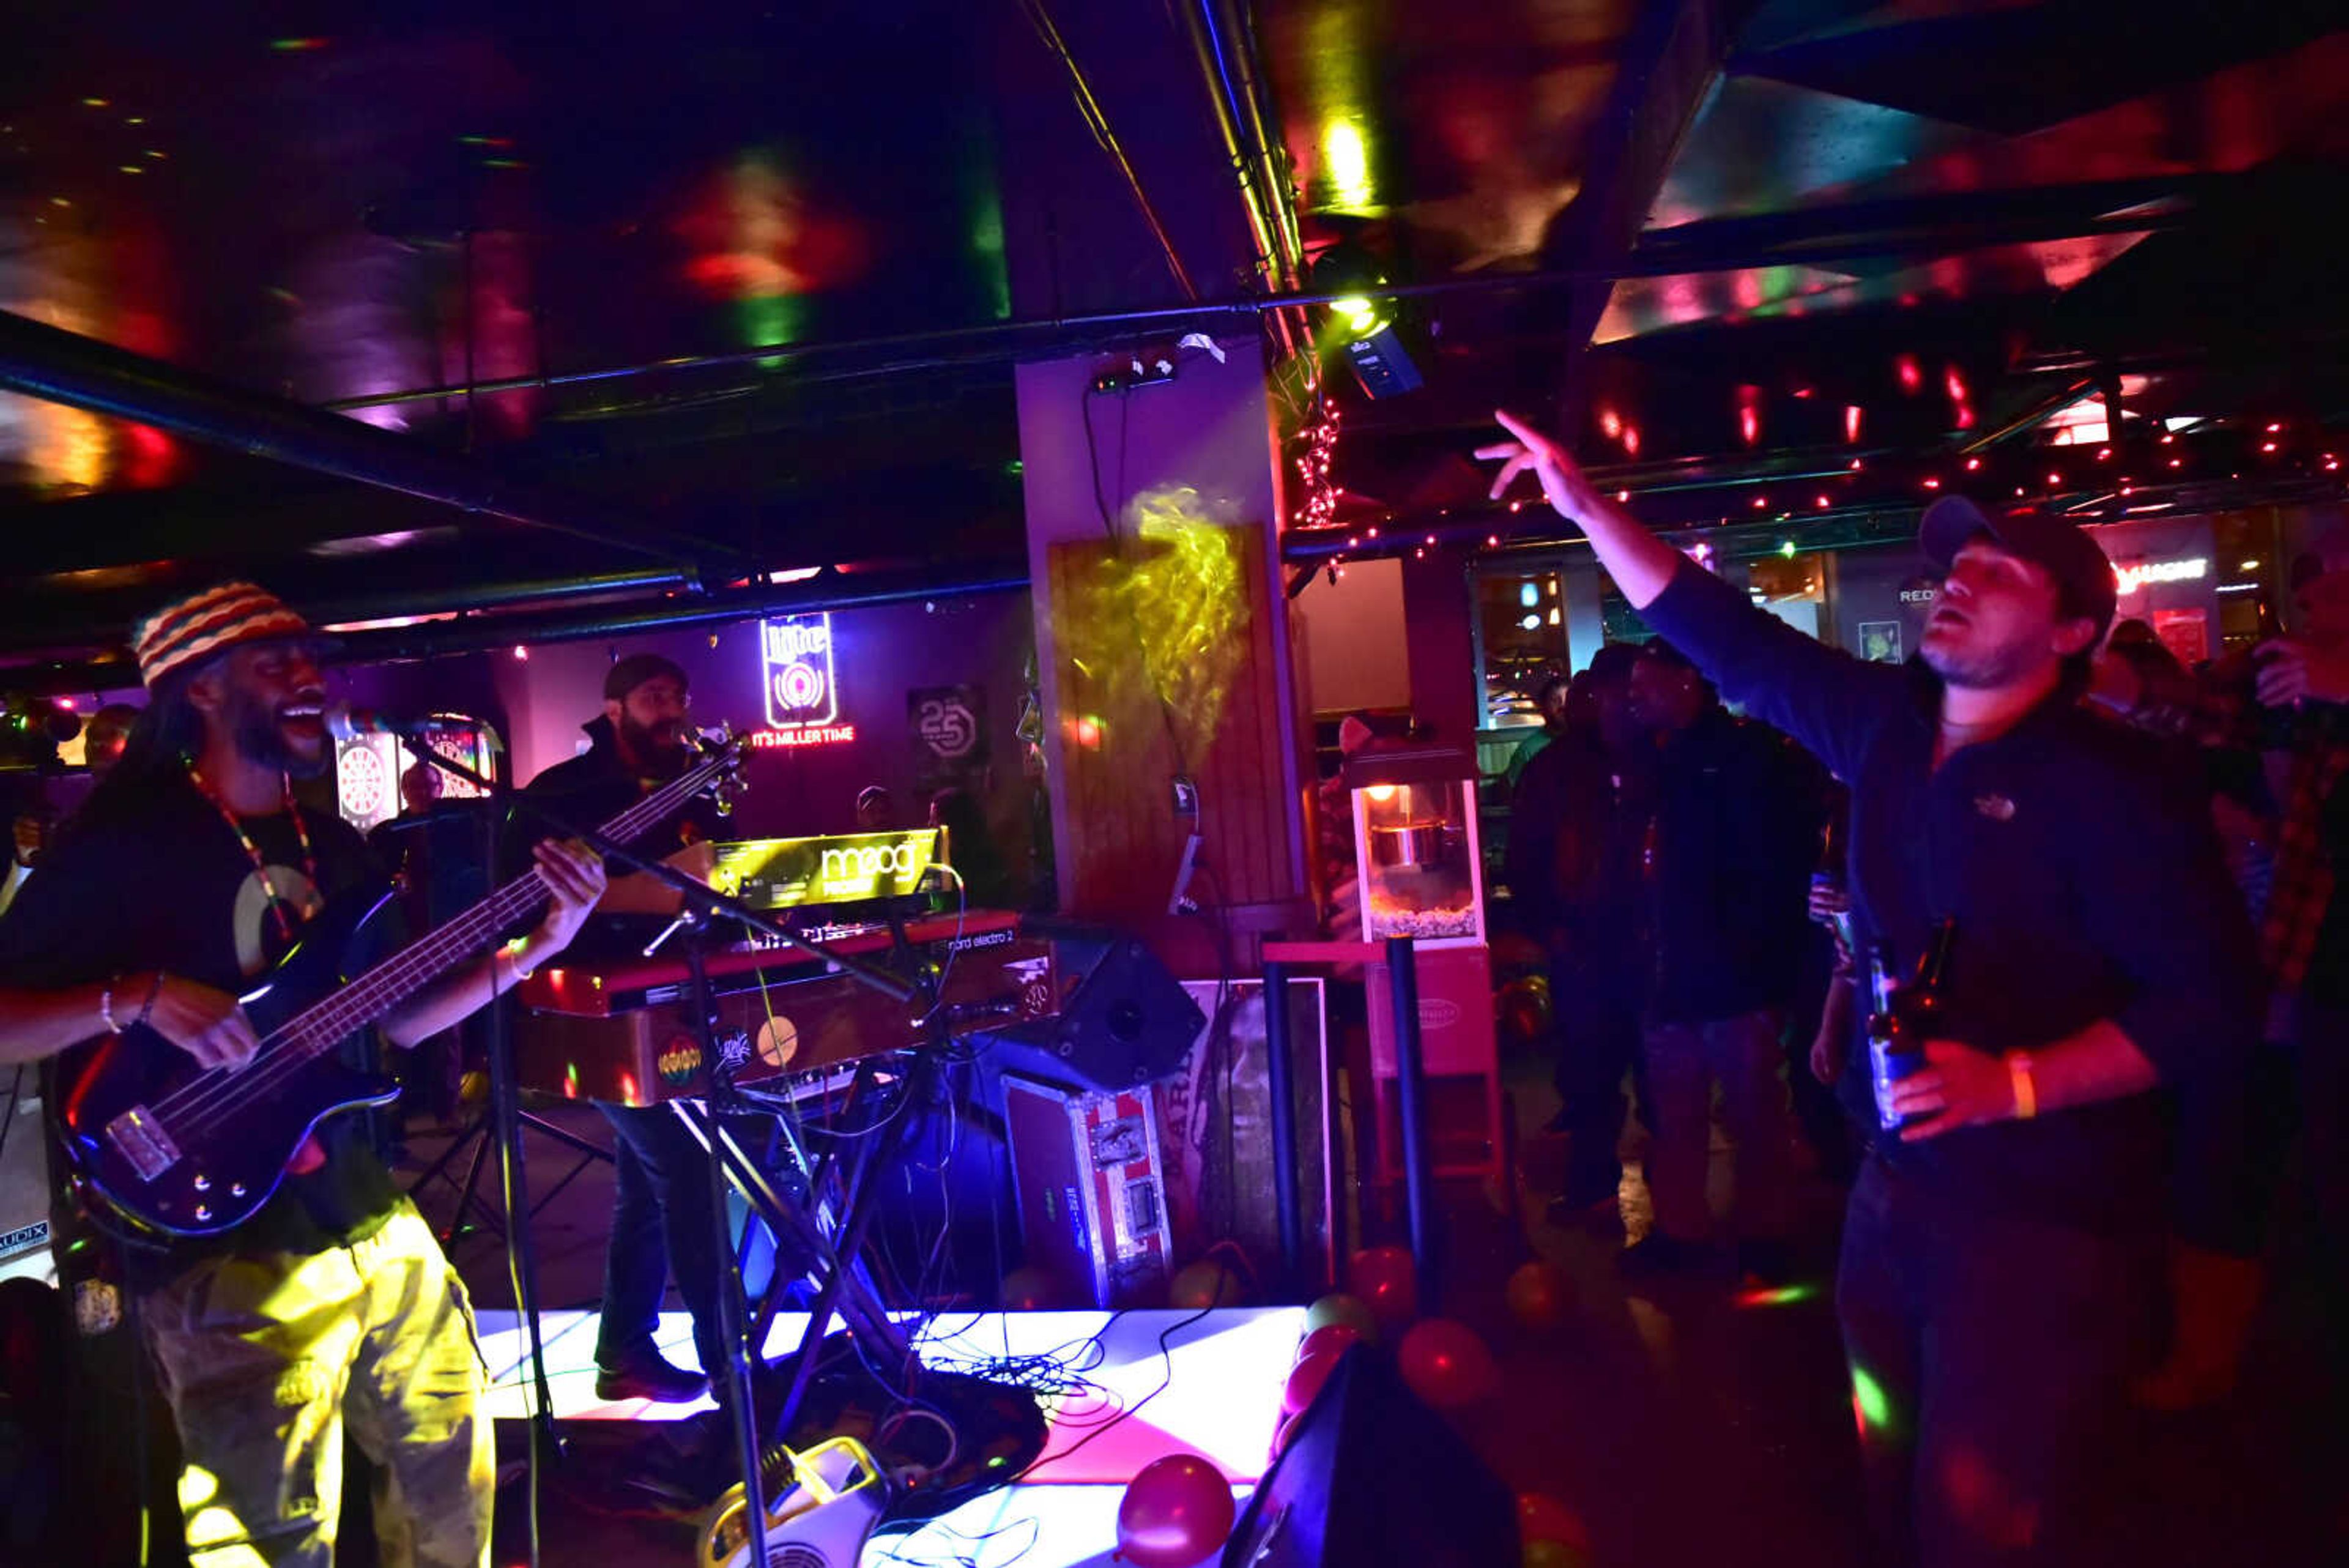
106, 1008
2026, 1088
511, 952
155, 990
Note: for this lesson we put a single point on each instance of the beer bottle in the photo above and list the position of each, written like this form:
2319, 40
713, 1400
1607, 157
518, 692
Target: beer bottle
1923, 1001
1894, 1038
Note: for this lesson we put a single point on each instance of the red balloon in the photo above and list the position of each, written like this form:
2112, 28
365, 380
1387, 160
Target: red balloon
1287, 1429
1305, 1380
1209, 1283
1541, 1517
1383, 1278
1538, 1294
1175, 1511
1340, 1308
1331, 1337
1445, 1364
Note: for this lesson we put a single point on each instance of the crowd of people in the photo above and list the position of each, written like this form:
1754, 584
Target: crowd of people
2060, 1214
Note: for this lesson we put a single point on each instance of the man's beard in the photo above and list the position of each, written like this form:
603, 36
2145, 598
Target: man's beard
259, 739
659, 748
1979, 669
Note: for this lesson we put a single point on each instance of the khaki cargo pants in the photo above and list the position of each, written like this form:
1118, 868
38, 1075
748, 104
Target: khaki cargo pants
267, 1360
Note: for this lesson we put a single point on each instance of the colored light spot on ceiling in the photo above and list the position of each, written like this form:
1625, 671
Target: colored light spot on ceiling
1346, 158
1784, 1295
754, 232
1869, 1403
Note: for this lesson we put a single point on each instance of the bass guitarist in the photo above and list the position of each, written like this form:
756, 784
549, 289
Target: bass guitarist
332, 1309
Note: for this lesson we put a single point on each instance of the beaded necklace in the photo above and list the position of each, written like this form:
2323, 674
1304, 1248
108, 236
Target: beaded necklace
260, 862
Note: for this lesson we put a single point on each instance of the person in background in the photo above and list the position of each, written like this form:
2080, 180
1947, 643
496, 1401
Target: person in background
1576, 824
1553, 699
2003, 1274
662, 1217
430, 864
29, 826
1333, 834
971, 850
876, 809
2274, 721
1723, 874
102, 739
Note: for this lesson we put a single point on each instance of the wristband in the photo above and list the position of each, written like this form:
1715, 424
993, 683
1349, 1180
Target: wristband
2026, 1089
513, 952
106, 1008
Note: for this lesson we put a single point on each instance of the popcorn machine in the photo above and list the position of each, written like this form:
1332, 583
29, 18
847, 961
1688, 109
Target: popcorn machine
1415, 849
1421, 873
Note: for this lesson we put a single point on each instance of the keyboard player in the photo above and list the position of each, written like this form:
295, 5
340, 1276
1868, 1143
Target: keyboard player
661, 1218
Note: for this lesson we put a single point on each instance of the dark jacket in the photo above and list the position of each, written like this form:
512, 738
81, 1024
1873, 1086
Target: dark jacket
2086, 884
1573, 854
1726, 871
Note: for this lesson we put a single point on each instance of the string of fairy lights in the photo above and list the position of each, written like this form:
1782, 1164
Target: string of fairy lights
1832, 501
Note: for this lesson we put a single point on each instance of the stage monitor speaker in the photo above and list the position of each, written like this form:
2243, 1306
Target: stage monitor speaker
1127, 1021
1332, 1499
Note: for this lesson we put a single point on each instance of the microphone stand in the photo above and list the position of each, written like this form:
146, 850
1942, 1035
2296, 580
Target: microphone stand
702, 904
505, 1122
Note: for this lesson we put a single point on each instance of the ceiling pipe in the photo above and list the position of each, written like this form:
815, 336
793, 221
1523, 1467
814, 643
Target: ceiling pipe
1241, 125
1269, 156
60, 367
828, 590
1090, 110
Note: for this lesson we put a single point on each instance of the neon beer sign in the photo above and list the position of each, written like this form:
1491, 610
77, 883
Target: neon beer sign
802, 682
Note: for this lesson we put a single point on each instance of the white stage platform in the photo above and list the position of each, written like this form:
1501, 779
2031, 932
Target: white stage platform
1215, 1391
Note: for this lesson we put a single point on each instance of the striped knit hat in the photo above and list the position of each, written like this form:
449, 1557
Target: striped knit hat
193, 630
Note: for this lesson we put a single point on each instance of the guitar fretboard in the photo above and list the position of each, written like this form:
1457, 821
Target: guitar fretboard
381, 989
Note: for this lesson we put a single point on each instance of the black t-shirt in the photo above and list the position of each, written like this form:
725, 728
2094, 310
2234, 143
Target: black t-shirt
149, 876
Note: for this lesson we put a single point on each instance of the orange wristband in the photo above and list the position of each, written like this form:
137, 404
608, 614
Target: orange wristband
2026, 1089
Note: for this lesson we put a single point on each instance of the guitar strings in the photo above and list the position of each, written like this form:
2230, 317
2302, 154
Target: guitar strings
205, 1102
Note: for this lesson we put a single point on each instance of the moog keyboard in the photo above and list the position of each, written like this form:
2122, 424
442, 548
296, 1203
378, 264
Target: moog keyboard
623, 1030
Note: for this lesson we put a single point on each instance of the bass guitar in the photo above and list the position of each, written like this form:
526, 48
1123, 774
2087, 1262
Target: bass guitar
187, 1150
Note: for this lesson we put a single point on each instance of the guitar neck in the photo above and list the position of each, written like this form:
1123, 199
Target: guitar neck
381, 989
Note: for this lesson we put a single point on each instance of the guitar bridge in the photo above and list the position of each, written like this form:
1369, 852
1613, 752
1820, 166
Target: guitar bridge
140, 1138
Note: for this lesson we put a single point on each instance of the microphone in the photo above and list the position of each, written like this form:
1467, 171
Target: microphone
345, 722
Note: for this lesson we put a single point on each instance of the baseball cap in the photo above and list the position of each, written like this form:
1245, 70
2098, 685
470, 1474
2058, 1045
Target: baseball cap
2084, 577
190, 630
625, 675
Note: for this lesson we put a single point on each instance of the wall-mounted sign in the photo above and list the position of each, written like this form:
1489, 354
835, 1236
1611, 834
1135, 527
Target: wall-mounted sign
803, 691
949, 725
2137, 574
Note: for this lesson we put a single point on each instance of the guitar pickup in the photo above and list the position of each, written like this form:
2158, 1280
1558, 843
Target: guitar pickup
140, 1138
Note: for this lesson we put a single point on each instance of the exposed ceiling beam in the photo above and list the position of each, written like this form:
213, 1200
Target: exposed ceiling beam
1925, 225
60, 367
1667, 66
